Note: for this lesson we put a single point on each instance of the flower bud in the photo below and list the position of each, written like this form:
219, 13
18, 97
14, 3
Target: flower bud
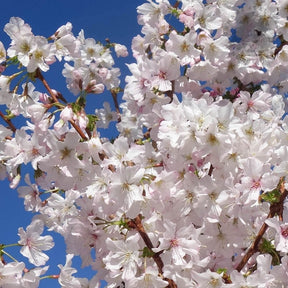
67, 114
121, 50
95, 88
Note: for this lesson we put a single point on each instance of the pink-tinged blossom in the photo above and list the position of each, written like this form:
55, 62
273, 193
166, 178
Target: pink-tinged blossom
67, 113
94, 87
281, 236
187, 17
280, 272
176, 243
257, 177
33, 244
31, 195
256, 103
23, 47
91, 50
81, 120
5, 89
203, 71
216, 51
168, 70
189, 162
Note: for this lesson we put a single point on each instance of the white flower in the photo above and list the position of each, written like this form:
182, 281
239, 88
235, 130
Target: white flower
66, 279
33, 243
31, 278
11, 274
149, 279
281, 237
123, 256
105, 115
31, 195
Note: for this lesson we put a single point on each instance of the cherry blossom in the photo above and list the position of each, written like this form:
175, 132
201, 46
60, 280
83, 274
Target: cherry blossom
66, 279
33, 243
11, 274
123, 256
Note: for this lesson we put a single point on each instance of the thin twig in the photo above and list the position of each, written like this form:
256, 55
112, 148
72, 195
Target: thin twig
176, 4
78, 129
137, 224
42, 79
275, 209
116, 104
8, 121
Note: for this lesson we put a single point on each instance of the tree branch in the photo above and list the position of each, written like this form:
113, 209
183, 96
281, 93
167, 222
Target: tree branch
116, 104
275, 209
137, 224
42, 79
8, 121
282, 44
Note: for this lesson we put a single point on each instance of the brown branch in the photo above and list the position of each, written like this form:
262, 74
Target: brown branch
282, 44
210, 170
170, 93
137, 224
8, 121
275, 209
42, 79
116, 104
78, 129
176, 4
54, 97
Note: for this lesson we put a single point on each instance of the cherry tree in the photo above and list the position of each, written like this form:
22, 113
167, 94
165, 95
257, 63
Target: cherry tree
192, 190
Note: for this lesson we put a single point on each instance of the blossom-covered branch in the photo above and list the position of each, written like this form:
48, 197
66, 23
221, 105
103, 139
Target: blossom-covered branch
196, 171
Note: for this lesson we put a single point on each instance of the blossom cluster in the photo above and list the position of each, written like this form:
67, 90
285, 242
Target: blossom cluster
192, 192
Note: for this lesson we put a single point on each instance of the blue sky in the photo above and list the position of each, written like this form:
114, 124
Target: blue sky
114, 19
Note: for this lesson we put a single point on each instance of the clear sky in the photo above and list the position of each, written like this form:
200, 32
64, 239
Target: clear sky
114, 19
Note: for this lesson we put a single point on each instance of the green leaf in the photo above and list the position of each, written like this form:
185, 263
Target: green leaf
271, 197
267, 246
221, 270
81, 101
92, 121
147, 253
14, 60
